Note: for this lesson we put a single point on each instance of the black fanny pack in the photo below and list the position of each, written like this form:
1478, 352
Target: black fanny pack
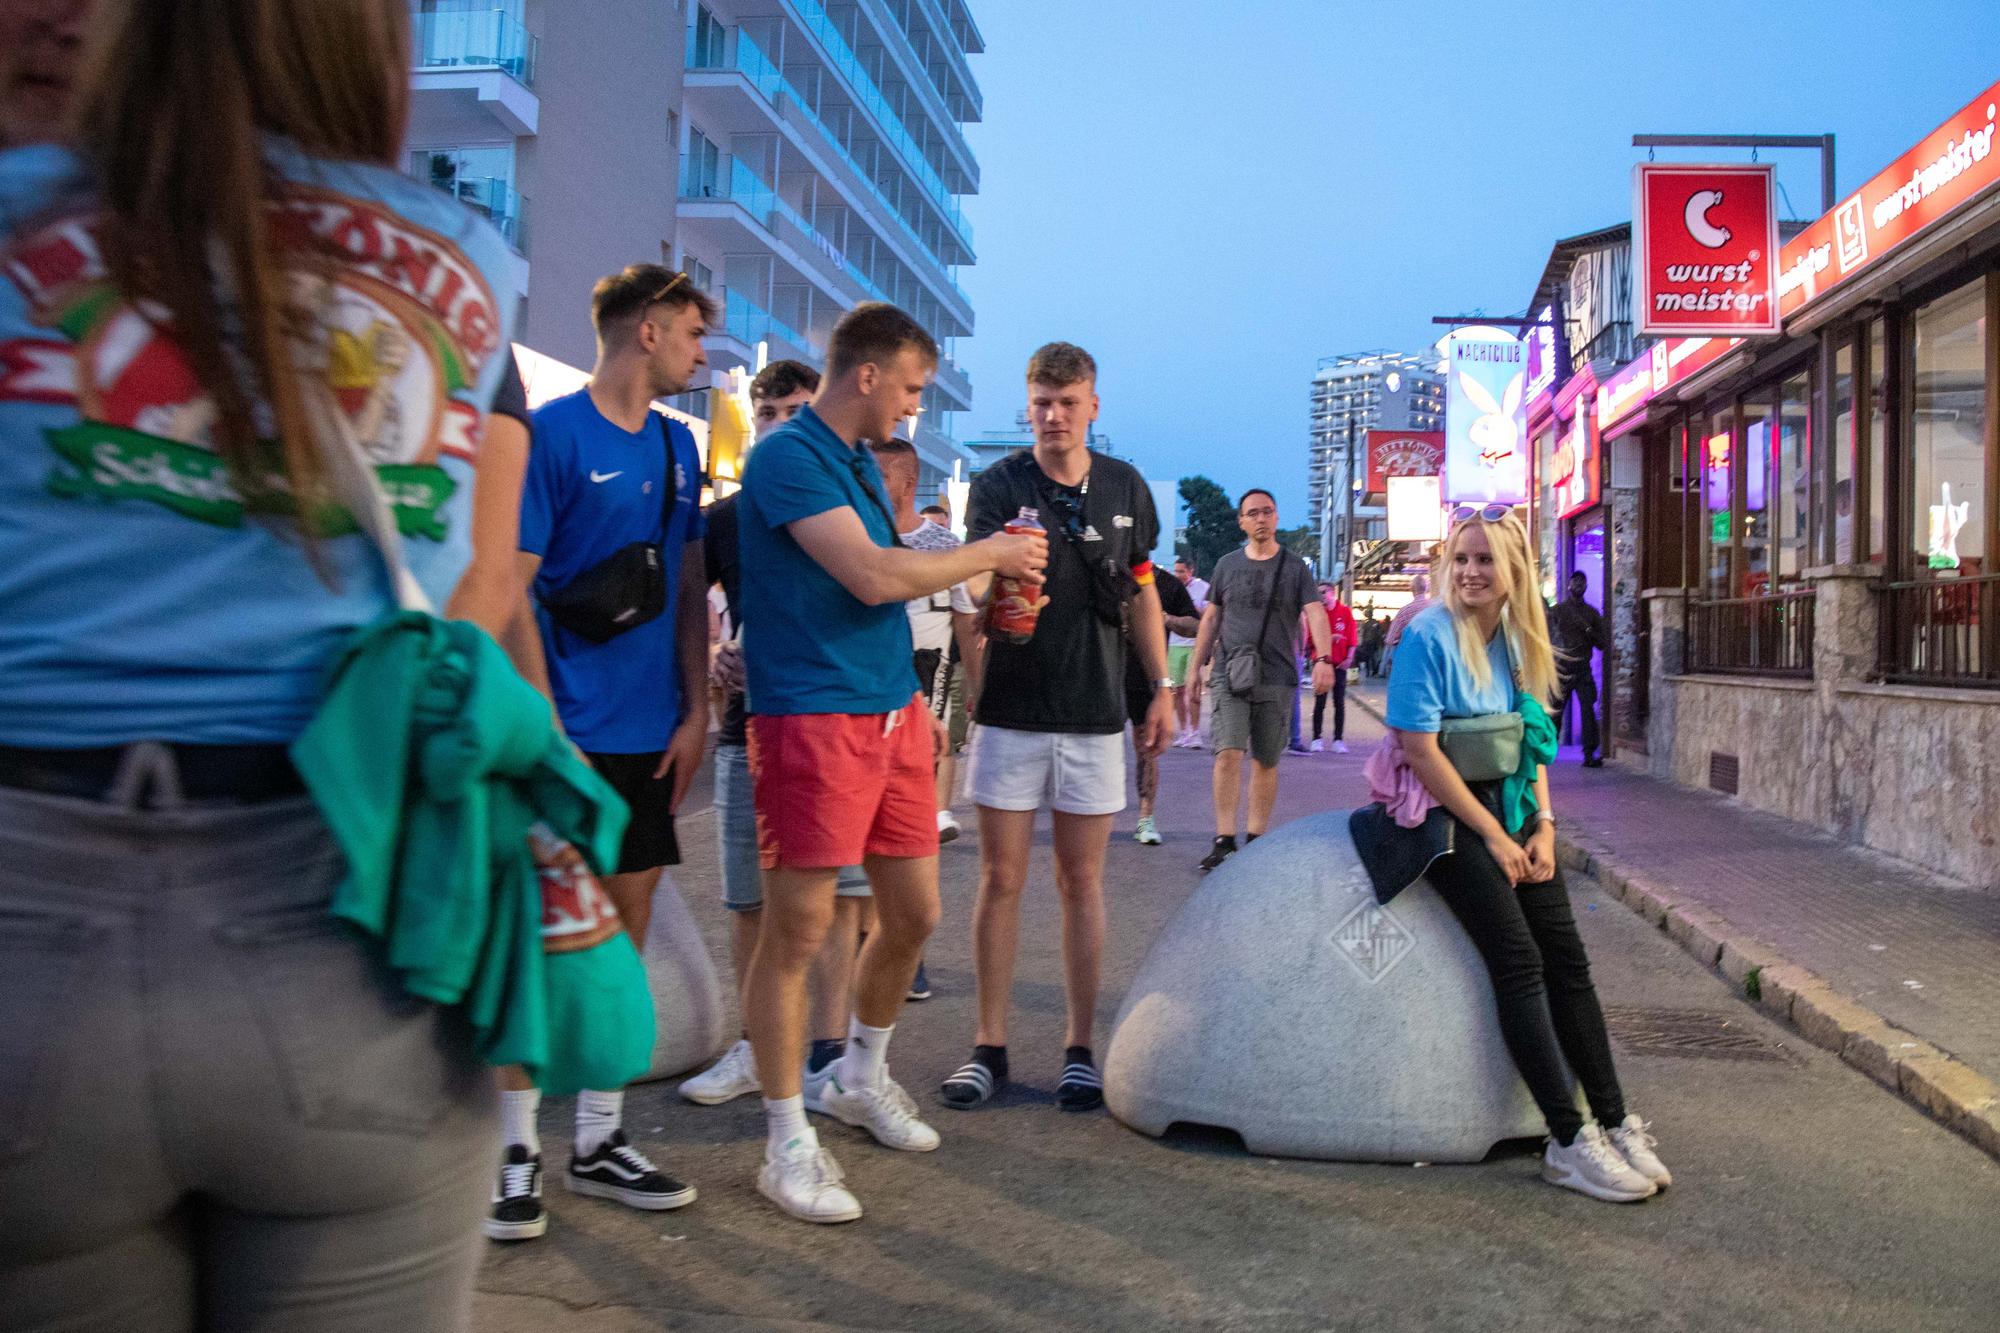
625, 589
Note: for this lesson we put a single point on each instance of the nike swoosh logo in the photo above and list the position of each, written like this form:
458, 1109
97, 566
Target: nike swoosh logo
605, 476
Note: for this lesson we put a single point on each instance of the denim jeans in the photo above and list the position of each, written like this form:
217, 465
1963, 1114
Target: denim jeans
736, 837
218, 1108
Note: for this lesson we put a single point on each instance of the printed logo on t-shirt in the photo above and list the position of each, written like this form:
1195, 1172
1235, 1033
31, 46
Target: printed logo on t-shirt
404, 322
601, 477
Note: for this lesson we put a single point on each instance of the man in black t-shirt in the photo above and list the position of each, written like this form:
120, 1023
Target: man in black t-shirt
1051, 711
1578, 630
1255, 595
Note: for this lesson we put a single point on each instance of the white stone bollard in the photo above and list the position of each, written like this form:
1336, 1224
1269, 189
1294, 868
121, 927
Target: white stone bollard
1284, 1003
690, 1018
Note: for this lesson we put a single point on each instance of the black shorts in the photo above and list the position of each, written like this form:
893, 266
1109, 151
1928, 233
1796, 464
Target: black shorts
649, 838
934, 682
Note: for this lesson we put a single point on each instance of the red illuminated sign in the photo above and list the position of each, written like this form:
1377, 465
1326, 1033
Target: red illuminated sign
1705, 249
1574, 469
1402, 453
1950, 168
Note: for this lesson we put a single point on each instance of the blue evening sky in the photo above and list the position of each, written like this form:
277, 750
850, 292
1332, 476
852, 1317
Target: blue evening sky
1212, 196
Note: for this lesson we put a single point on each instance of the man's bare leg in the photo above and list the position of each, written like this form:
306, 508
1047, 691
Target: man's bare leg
1263, 797
798, 913
831, 983
743, 946
1004, 839
1228, 783
906, 912
1080, 841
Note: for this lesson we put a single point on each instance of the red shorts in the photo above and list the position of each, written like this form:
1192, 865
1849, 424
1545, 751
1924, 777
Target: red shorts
832, 788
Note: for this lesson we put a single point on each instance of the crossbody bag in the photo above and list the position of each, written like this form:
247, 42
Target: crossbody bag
1486, 748
1111, 588
628, 587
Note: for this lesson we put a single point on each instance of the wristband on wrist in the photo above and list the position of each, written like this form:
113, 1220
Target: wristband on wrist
1545, 817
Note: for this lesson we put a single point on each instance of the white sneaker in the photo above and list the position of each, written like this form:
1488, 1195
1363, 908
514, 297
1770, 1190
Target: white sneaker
1340, 747
1318, 746
805, 1182
1591, 1165
1636, 1146
725, 1080
948, 829
884, 1110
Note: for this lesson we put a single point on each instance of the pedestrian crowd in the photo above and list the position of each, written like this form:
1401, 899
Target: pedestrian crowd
277, 511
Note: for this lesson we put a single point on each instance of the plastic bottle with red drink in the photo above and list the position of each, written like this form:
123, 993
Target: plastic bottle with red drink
1017, 603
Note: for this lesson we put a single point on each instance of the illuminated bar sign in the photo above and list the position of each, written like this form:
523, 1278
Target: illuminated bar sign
1402, 453
1485, 421
1574, 469
1950, 168
1705, 249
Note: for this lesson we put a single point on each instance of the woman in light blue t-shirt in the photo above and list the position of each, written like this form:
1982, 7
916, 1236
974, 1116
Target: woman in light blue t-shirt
216, 1108
1466, 657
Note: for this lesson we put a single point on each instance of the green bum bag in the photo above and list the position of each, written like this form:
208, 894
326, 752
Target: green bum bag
1485, 748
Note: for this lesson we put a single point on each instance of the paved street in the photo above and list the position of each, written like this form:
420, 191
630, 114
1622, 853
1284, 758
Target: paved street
1807, 1197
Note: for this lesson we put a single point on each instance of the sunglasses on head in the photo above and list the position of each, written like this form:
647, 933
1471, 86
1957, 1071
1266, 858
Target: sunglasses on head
1492, 513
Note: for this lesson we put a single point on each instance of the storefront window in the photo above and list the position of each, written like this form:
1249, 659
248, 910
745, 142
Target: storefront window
1843, 455
1948, 434
1545, 511
1878, 441
1717, 488
1758, 451
1791, 479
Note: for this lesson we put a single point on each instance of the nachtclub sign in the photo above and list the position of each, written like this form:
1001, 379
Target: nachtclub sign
1705, 249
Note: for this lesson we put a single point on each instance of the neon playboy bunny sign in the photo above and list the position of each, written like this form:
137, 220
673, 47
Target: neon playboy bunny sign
1485, 458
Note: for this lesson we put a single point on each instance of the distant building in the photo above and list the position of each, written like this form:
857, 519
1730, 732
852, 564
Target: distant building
1352, 395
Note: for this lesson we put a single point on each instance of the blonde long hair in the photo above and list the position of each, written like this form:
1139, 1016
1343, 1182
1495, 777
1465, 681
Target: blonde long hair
1522, 618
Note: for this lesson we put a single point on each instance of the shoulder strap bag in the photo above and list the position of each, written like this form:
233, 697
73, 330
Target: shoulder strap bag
628, 587
1111, 587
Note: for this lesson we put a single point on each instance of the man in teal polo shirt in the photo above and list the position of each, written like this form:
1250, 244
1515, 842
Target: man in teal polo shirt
841, 744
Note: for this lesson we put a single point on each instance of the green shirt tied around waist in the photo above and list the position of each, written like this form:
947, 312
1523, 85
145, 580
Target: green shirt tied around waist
433, 762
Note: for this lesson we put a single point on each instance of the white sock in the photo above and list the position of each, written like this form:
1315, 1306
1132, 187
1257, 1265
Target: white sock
866, 1058
598, 1115
517, 1118
785, 1125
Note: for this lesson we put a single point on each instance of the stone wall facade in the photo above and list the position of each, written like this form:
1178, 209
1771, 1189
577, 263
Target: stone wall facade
1628, 661
1909, 770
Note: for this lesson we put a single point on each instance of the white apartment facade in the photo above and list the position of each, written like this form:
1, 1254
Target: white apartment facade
796, 159
824, 165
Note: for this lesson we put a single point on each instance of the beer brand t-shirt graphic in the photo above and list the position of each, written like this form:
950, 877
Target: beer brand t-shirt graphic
401, 324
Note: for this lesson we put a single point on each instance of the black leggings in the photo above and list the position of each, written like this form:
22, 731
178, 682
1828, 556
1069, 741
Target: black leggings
1339, 707
1541, 978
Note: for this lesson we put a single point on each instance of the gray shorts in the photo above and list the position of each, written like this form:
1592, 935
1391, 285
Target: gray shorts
736, 832
1259, 722
216, 1103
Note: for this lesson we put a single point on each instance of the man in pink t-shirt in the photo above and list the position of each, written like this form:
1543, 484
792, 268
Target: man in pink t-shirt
1340, 652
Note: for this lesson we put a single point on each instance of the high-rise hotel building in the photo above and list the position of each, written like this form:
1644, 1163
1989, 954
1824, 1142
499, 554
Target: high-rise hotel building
796, 158
1352, 395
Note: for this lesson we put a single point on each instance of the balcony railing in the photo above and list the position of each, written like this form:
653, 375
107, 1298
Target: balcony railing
476, 37
749, 60
821, 25
747, 189
497, 201
1753, 636
1942, 631
750, 324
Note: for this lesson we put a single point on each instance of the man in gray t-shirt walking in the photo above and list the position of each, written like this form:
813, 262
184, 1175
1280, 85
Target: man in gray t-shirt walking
1254, 599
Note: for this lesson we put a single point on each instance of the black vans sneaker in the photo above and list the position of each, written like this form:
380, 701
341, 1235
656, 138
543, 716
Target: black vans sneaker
1220, 851
517, 1197
621, 1172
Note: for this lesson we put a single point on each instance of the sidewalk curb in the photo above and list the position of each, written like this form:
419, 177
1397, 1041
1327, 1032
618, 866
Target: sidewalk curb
1947, 1089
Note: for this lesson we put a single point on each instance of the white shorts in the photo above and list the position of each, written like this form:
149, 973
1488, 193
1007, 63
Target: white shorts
1026, 770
